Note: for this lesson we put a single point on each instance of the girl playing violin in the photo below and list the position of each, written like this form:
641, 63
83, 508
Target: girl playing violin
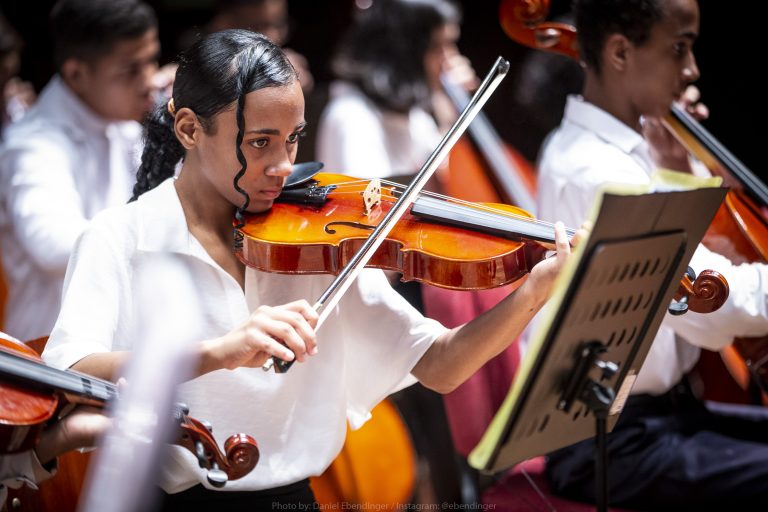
235, 119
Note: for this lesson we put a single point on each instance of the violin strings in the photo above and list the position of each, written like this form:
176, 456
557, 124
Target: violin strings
65, 380
470, 204
454, 200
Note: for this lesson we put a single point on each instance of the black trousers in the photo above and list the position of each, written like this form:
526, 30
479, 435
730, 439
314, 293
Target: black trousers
297, 496
672, 452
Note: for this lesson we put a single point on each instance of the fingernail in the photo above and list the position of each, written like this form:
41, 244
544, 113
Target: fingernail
313, 351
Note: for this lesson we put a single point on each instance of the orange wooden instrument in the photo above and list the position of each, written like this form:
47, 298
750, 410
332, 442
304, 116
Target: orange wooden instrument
33, 395
316, 227
377, 465
739, 231
740, 228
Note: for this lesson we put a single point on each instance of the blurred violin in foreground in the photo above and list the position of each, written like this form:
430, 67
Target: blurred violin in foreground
34, 393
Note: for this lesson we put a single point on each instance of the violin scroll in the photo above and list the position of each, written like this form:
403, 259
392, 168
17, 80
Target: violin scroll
240, 457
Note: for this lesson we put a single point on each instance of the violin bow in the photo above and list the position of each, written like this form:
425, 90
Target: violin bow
335, 291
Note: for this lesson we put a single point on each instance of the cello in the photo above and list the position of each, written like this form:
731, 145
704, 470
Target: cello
481, 167
740, 228
34, 394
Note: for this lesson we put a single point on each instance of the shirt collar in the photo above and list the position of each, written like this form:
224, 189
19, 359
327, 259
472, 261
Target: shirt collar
162, 225
601, 123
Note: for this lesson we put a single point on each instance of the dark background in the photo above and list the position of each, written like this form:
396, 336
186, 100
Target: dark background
729, 53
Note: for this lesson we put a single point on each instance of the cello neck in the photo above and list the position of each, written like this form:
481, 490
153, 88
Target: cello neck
78, 387
509, 179
704, 146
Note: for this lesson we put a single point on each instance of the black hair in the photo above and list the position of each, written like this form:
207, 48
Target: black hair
597, 19
383, 51
88, 29
215, 73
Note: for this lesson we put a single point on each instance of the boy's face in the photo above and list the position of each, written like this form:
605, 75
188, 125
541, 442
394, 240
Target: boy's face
119, 86
658, 71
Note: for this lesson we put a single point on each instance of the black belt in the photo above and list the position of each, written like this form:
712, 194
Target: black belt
677, 399
199, 497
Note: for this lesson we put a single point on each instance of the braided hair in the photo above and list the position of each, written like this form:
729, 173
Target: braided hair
214, 73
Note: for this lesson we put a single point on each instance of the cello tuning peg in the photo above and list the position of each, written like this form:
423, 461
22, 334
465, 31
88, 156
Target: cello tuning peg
202, 460
678, 307
216, 477
208, 426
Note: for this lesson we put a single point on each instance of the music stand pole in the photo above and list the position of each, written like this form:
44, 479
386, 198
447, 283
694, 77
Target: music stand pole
598, 399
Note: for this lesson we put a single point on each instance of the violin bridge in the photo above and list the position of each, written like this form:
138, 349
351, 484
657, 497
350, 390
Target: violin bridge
371, 196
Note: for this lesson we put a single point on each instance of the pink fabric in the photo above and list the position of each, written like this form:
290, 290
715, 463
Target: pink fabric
513, 493
471, 407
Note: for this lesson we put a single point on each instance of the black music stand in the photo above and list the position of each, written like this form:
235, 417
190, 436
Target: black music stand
580, 366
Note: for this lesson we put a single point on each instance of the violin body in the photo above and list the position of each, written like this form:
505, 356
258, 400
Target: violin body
311, 239
23, 412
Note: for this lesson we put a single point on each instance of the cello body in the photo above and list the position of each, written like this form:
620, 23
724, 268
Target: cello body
376, 465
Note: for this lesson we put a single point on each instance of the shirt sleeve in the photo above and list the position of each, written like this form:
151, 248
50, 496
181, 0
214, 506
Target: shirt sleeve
386, 337
745, 313
23, 468
94, 299
43, 204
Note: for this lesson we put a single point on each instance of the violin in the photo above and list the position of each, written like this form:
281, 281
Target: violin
317, 225
739, 230
33, 393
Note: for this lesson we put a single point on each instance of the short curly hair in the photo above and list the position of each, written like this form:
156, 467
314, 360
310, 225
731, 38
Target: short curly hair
597, 19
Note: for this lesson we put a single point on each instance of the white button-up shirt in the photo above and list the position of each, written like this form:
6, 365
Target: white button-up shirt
591, 148
59, 166
367, 346
358, 138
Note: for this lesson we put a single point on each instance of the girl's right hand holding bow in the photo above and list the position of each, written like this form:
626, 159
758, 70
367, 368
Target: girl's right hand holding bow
285, 332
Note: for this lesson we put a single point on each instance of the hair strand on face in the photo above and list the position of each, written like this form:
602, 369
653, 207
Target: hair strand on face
215, 73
